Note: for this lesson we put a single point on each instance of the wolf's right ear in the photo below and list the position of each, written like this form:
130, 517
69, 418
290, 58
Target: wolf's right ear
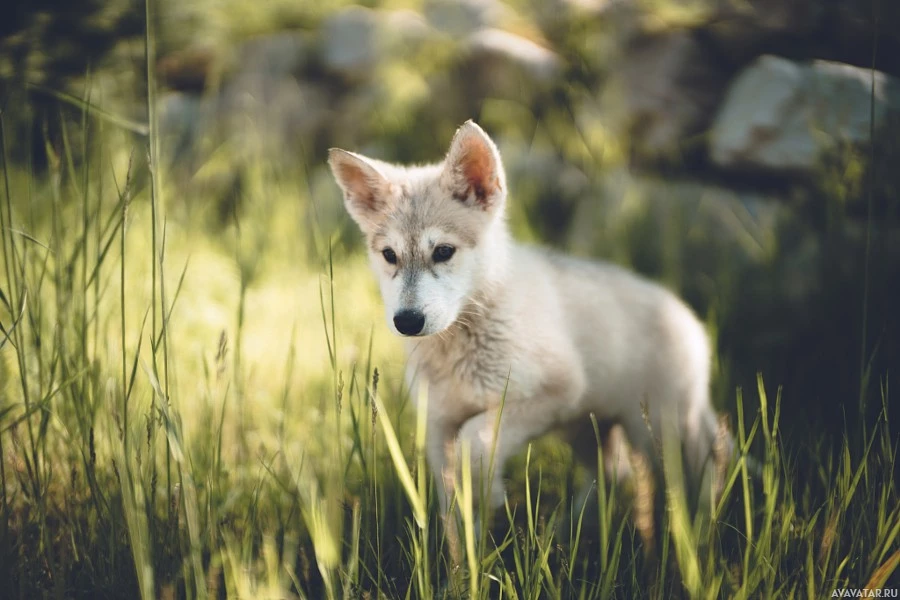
473, 171
366, 190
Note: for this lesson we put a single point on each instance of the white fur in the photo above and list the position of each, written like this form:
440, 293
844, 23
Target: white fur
571, 337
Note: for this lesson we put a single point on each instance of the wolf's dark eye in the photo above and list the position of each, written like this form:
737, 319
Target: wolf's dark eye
443, 253
389, 255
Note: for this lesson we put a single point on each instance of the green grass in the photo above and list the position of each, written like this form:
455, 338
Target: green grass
202, 410
179, 419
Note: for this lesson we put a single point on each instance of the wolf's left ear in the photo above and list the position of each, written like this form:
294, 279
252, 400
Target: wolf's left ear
473, 172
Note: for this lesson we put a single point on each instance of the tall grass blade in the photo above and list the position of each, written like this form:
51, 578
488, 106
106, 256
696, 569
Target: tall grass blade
399, 462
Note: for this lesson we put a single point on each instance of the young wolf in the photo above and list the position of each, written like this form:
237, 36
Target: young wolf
562, 338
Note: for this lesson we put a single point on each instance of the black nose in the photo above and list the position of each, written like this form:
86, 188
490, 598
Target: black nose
409, 322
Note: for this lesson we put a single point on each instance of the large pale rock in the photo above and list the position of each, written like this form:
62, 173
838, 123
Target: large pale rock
351, 41
779, 115
355, 41
463, 17
405, 31
511, 50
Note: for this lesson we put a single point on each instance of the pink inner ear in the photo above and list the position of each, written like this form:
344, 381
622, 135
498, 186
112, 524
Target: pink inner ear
361, 188
479, 169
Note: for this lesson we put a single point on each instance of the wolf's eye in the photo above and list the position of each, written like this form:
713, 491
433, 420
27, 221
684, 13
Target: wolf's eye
389, 255
443, 253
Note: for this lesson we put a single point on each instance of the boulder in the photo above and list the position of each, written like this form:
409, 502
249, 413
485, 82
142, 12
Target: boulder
405, 31
351, 43
787, 117
355, 41
463, 17
509, 50
275, 55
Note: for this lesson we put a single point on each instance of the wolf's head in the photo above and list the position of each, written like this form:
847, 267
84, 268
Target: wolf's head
435, 234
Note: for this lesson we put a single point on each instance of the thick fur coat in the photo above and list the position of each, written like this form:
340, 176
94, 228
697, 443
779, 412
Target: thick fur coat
489, 322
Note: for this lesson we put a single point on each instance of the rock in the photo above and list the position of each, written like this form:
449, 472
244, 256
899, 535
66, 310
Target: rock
463, 17
405, 30
664, 90
356, 40
584, 8
179, 117
351, 44
497, 64
782, 116
515, 51
276, 55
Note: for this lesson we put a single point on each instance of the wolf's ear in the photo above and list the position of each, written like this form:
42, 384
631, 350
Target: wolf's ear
472, 170
366, 190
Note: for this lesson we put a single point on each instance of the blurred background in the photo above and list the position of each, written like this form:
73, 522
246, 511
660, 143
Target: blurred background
746, 153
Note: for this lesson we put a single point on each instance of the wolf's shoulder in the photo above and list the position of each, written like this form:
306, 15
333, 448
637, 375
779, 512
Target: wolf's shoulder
588, 277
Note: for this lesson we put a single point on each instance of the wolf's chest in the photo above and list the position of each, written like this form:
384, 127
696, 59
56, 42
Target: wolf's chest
476, 363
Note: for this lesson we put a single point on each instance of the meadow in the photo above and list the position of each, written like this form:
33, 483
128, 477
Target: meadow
194, 406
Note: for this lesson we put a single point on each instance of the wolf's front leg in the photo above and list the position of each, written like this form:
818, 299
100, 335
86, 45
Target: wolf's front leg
440, 446
442, 462
482, 434
492, 443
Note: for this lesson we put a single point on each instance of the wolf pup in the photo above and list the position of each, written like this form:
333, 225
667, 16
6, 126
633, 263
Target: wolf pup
494, 327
